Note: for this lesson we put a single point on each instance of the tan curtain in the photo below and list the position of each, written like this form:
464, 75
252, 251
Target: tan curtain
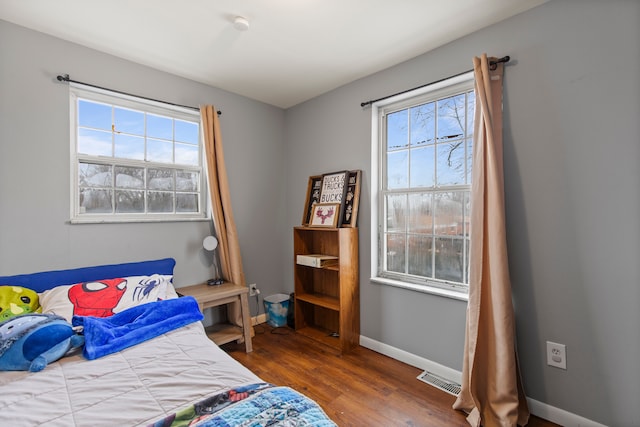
492, 392
225, 227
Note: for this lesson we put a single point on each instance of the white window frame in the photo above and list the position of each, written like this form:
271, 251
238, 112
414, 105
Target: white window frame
80, 91
442, 89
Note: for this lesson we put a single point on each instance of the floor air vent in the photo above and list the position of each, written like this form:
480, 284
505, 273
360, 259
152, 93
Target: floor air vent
439, 382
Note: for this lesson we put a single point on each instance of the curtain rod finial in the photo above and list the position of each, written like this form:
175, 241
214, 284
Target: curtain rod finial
63, 78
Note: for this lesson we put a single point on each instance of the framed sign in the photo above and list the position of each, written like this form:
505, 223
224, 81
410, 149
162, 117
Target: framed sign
325, 215
351, 200
334, 189
313, 196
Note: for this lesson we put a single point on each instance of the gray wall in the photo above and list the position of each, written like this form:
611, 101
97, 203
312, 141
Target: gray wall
572, 123
572, 114
34, 167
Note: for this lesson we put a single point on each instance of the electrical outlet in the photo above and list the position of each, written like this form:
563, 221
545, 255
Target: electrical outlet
556, 355
253, 289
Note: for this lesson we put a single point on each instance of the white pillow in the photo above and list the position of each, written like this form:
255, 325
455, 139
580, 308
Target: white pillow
171, 292
104, 298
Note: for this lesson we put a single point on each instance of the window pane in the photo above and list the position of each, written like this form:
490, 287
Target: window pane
451, 117
395, 252
420, 213
467, 263
128, 155
94, 143
469, 160
160, 179
396, 213
159, 127
94, 115
95, 201
451, 163
397, 169
129, 177
397, 132
92, 175
160, 201
129, 201
159, 151
423, 124
426, 154
129, 147
129, 121
420, 252
187, 181
471, 105
187, 154
422, 167
186, 203
186, 132
467, 213
448, 218
448, 259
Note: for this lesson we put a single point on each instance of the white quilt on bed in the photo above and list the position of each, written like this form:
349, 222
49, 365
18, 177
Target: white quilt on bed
133, 387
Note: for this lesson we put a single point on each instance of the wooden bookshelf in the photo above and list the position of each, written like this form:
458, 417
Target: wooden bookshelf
327, 299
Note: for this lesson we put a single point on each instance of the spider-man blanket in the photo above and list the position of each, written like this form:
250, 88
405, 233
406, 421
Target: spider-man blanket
256, 405
106, 335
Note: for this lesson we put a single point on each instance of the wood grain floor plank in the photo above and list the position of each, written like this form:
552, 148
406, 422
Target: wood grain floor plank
361, 388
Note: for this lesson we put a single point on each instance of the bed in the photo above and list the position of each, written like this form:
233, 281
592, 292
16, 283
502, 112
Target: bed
178, 377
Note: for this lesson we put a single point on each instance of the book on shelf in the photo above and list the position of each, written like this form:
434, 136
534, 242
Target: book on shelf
317, 260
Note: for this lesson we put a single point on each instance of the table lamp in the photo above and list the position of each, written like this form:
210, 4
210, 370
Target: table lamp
210, 243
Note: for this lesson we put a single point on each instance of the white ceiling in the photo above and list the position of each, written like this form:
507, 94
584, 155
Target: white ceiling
293, 51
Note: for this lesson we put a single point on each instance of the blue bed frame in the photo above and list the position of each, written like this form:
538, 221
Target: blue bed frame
42, 281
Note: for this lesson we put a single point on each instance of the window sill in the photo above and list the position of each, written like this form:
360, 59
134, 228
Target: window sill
425, 289
103, 220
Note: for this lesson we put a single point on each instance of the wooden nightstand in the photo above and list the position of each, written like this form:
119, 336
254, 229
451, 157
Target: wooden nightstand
213, 296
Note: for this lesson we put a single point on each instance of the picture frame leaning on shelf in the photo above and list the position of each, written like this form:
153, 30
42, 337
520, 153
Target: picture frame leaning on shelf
351, 200
313, 196
341, 187
325, 215
334, 190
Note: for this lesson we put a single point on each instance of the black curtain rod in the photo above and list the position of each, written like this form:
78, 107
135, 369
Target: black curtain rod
65, 78
492, 65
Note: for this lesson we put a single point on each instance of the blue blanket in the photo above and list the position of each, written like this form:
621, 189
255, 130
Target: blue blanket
106, 335
255, 405
281, 406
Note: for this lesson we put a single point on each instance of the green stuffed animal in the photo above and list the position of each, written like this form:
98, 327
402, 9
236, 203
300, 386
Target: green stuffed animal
16, 300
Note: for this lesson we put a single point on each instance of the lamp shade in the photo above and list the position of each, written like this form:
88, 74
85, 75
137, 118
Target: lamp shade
210, 243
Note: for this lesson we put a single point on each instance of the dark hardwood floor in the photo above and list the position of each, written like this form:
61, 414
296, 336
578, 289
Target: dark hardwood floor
362, 388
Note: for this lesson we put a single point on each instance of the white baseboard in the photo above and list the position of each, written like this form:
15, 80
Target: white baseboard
539, 409
411, 359
559, 416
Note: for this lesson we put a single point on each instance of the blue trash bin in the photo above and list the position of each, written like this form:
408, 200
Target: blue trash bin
277, 307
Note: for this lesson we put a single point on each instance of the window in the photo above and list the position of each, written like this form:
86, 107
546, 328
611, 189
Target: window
422, 155
133, 159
